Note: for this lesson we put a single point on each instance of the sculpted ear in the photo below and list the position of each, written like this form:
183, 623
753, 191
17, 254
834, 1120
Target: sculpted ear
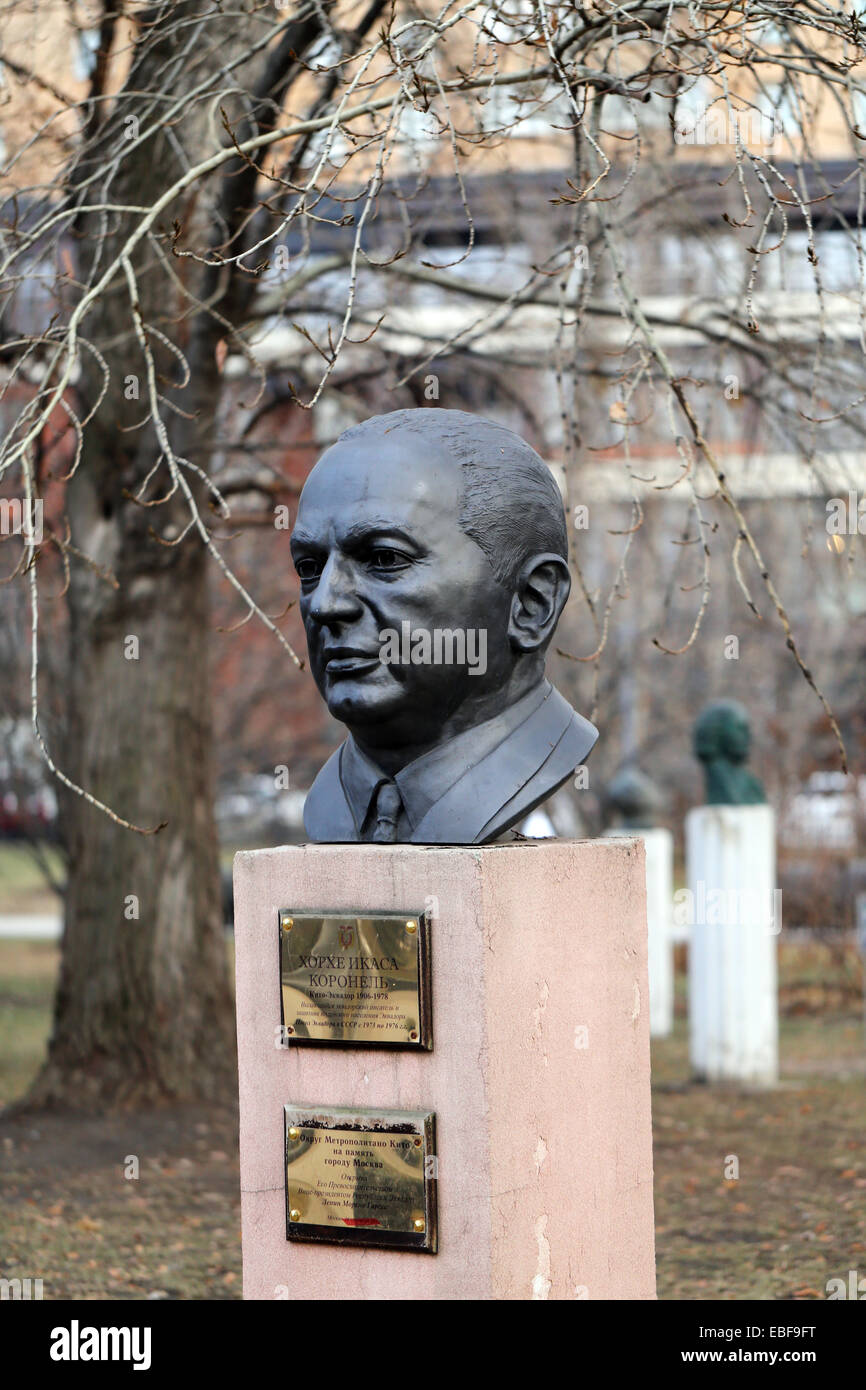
540, 593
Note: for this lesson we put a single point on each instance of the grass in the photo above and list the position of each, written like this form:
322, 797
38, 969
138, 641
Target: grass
73, 1213
23, 888
28, 973
791, 1220
124, 1207
793, 1217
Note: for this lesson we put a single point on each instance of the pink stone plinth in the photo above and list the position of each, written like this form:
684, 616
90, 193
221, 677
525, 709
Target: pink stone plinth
539, 1076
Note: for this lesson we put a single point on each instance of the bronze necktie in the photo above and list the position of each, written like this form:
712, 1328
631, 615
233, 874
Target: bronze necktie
388, 807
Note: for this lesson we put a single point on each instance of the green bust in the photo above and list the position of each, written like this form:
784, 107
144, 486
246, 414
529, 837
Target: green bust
721, 742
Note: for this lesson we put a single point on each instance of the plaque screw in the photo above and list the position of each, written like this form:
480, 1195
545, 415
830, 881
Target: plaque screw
294, 1214
411, 926
418, 1223
417, 1143
294, 1133
288, 923
289, 1028
414, 1034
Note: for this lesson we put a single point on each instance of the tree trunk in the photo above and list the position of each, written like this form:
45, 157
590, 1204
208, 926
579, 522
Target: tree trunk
143, 1009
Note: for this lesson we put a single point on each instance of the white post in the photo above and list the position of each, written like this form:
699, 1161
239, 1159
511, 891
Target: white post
659, 845
735, 919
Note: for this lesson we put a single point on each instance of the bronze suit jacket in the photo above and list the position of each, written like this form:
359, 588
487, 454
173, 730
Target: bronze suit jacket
467, 792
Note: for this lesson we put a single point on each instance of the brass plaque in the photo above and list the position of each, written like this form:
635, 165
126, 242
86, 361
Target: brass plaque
355, 981
361, 1177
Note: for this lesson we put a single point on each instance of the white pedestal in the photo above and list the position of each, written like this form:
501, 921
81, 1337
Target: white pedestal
659, 847
538, 1077
734, 922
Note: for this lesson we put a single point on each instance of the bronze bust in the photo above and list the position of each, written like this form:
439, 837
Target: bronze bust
432, 551
722, 737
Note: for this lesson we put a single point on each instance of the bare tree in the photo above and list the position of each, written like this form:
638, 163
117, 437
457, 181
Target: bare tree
349, 205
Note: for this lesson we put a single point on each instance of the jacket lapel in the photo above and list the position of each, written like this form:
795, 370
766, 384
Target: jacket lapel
327, 814
543, 750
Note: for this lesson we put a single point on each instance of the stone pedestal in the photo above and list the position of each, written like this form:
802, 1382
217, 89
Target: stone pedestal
734, 919
539, 1075
659, 848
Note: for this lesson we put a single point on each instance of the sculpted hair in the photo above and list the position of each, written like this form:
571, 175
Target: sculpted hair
511, 505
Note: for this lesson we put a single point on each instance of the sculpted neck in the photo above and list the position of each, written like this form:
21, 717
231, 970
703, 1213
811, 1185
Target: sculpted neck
393, 749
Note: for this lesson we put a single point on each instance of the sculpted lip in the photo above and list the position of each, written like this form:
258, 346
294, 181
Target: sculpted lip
349, 660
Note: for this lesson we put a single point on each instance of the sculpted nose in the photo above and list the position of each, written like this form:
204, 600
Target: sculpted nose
335, 599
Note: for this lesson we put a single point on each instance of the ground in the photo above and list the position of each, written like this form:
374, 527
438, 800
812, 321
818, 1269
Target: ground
796, 1215
124, 1206
75, 1215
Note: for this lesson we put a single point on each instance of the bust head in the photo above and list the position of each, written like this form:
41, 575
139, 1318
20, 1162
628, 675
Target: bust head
634, 798
722, 731
722, 737
428, 521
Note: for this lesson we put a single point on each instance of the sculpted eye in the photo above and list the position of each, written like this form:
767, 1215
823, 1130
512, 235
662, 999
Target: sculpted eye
384, 558
307, 569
